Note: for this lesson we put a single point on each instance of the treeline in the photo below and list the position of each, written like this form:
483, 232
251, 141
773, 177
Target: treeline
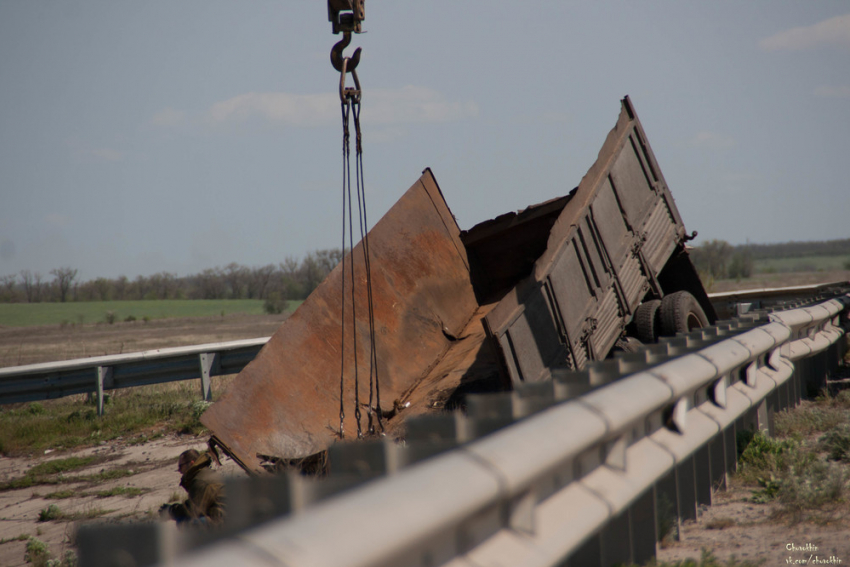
290, 279
720, 260
799, 249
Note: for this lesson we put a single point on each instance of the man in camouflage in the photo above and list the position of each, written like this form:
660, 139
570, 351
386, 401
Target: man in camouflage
205, 505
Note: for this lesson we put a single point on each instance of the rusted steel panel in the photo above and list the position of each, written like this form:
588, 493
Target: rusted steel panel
286, 402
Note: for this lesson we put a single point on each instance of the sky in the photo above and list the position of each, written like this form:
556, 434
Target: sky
180, 135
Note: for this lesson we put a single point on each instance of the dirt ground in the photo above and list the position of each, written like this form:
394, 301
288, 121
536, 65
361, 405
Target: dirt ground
154, 467
30, 345
154, 464
734, 526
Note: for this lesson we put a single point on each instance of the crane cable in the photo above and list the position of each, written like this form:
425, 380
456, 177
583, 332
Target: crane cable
350, 106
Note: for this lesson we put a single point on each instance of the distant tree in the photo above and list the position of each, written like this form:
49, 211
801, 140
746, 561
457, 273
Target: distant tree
210, 284
7, 288
711, 258
64, 278
120, 286
86, 291
741, 265
103, 286
289, 279
259, 281
38, 286
28, 282
236, 277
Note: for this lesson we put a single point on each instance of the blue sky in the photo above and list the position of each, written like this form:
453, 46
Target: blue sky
148, 136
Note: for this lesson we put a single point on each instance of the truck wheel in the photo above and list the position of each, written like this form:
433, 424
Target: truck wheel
647, 325
680, 313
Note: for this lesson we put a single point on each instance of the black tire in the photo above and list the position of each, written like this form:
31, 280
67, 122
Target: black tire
647, 324
680, 313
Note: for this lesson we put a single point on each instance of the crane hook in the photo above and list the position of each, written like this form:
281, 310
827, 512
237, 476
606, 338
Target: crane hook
336, 54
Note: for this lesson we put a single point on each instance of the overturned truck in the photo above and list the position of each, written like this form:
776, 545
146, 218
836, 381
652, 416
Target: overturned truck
514, 299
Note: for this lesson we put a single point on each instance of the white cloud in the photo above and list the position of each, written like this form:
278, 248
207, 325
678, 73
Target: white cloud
713, 141
380, 106
826, 91
834, 31
169, 117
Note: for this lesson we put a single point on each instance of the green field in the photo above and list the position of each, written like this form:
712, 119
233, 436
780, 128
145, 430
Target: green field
82, 312
801, 264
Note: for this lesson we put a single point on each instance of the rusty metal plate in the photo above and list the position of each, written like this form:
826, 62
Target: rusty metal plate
286, 402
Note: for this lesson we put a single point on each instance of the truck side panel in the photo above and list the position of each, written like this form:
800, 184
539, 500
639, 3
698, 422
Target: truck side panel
603, 258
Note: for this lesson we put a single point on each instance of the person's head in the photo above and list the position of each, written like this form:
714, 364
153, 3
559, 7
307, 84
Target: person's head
186, 459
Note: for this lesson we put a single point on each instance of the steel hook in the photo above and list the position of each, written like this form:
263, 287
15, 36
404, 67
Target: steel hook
337, 58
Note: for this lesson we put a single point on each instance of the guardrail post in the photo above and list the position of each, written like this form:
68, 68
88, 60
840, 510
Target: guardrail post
686, 488
104, 380
210, 364
616, 540
642, 524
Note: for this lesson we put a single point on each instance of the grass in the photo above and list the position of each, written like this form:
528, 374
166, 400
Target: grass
39, 555
57, 466
801, 264
125, 491
82, 312
134, 413
31, 479
54, 514
803, 469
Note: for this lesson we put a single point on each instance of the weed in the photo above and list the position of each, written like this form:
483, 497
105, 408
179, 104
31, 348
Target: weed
764, 454
62, 465
110, 317
36, 552
720, 523
666, 521
837, 443
70, 559
50, 513
35, 408
129, 318
275, 304
821, 484
61, 494
22, 537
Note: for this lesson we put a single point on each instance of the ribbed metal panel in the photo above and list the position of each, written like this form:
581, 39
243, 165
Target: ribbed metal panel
660, 231
607, 326
632, 279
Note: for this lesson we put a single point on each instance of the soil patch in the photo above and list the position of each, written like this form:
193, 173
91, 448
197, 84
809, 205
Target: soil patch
31, 345
146, 474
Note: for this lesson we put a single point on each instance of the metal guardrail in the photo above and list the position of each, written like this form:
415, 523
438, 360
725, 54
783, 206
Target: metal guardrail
578, 479
101, 373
